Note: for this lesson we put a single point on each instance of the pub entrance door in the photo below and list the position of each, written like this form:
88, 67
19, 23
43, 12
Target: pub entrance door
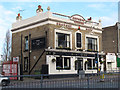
79, 65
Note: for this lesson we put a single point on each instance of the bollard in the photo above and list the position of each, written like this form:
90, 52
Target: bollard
41, 81
102, 78
81, 74
88, 80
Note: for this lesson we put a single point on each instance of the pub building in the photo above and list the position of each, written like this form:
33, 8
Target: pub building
53, 43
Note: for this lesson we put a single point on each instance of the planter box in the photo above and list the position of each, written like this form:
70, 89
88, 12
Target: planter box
63, 48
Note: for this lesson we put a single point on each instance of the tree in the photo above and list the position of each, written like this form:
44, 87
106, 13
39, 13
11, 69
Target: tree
7, 47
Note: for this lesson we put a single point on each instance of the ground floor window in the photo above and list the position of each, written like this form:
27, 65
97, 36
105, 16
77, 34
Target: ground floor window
63, 63
109, 65
91, 64
25, 64
59, 63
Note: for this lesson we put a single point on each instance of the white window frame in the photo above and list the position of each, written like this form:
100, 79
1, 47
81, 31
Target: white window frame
67, 62
109, 65
91, 36
26, 42
64, 32
76, 40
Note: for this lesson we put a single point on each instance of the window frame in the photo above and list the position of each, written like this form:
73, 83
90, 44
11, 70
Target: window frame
26, 44
63, 64
66, 41
109, 65
76, 40
91, 36
92, 46
68, 62
64, 32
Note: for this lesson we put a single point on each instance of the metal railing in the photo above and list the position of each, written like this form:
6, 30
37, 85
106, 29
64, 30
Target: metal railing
101, 80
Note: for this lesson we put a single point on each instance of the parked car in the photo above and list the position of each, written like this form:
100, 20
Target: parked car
4, 81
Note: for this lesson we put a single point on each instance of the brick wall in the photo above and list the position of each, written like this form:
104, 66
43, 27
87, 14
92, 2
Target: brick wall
110, 40
41, 31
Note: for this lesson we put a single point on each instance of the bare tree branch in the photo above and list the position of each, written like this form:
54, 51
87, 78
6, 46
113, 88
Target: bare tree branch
7, 47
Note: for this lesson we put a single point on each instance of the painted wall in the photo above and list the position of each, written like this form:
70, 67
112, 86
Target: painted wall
111, 59
52, 66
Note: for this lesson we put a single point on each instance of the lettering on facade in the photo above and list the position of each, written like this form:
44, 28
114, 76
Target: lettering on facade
78, 19
64, 24
38, 43
89, 29
110, 57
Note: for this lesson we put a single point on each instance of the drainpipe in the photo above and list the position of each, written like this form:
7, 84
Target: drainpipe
21, 50
21, 65
29, 50
46, 42
46, 37
118, 38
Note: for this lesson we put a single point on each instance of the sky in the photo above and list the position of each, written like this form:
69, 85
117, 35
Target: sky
106, 10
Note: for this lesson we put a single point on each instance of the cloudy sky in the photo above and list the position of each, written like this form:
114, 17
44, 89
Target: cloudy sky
106, 10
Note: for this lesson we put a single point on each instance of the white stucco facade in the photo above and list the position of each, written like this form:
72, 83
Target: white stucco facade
111, 62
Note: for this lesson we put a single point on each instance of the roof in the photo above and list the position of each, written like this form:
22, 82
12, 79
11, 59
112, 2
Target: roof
52, 18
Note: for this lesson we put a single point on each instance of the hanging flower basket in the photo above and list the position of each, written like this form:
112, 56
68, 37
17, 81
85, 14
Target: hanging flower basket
89, 50
79, 49
53, 60
59, 68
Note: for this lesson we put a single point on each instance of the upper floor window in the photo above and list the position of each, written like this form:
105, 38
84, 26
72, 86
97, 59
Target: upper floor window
78, 40
62, 40
26, 43
92, 44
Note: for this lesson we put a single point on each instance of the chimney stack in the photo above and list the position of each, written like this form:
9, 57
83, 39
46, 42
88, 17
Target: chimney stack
18, 18
39, 10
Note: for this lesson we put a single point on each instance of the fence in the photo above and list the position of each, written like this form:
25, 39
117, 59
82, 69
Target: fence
101, 80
